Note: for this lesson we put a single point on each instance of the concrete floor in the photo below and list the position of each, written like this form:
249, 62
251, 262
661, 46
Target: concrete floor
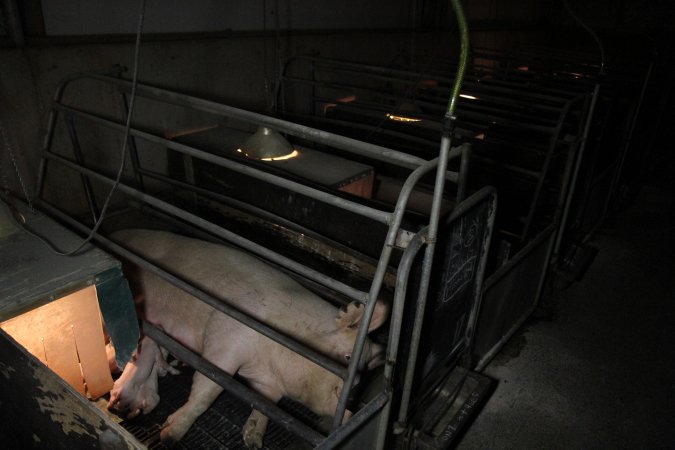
601, 372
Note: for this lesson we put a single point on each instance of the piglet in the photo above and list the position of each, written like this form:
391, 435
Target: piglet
256, 288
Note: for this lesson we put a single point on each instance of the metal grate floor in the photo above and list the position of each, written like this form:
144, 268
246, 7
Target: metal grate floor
219, 427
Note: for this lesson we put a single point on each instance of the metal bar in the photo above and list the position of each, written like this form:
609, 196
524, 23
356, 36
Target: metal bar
220, 232
485, 360
466, 112
365, 261
366, 211
336, 437
51, 124
395, 323
463, 175
461, 209
542, 177
629, 139
77, 152
381, 269
343, 143
133, 149
387, 71
214, 302
232, 386
421, 302
577, 170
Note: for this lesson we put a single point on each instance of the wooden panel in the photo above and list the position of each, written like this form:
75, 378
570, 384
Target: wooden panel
39, 410
67, 336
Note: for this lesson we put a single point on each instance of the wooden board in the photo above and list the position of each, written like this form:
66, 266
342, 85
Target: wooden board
39, 410
67, 336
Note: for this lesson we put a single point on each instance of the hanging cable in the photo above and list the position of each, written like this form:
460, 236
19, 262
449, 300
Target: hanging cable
125, 145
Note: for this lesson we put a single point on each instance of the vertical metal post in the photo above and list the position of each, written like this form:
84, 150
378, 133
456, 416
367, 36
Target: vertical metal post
133, 149
77, 152
575, 175
463, 174
544, 169
426, 274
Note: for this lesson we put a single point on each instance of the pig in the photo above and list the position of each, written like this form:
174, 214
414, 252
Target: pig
256, 288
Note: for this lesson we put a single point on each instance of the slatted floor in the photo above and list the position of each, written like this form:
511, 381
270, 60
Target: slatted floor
218, 428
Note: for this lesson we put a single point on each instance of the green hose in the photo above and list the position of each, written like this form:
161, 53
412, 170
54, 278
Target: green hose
463, 58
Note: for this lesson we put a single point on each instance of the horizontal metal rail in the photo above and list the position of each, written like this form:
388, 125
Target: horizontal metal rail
555, 96
207, 298
229, 236
464, 111
340, 142
219, 376
331, 199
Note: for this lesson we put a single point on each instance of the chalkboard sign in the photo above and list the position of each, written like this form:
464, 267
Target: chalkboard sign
458, 266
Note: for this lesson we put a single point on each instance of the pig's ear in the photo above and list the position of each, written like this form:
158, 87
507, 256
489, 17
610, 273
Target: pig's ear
380, 315
350, 316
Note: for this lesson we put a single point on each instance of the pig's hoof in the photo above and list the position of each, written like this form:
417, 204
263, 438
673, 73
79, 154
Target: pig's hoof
165, 435
253, 438
167, 438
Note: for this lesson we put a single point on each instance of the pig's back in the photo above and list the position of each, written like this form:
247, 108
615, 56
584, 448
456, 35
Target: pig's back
238, 278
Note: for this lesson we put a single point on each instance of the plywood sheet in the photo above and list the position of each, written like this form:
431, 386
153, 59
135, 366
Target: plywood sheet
67, 336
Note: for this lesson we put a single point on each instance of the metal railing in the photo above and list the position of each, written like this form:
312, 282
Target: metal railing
418, 168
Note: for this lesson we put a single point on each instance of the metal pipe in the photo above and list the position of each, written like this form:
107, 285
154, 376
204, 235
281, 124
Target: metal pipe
79, 158
463, 175
421, 302
323, 137
219, 376
336, 437
460, 210
435, 209
491, 281
214, 302
382, 267
577, 170
51, 124
542, 177
395, 323
331, 199
365, 264
629, 140
133, 149
229, 236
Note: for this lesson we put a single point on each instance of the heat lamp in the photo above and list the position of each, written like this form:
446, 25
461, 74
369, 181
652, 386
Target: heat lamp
267, 145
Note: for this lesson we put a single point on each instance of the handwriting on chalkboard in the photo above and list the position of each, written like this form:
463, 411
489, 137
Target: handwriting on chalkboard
462, 252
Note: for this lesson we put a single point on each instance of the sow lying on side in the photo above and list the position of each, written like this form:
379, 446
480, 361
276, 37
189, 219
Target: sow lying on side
255, 288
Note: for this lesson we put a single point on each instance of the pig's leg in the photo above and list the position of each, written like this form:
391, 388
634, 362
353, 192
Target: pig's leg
130, 391
203, 393
256, 424
254, 429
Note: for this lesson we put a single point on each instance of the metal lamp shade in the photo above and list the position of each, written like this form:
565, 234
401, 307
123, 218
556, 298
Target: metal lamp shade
266, 144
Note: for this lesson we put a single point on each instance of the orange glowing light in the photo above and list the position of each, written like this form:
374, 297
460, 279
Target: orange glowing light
480, 136
403, 118
523, 68
328, 107
291, 155
347, 99
67, 336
